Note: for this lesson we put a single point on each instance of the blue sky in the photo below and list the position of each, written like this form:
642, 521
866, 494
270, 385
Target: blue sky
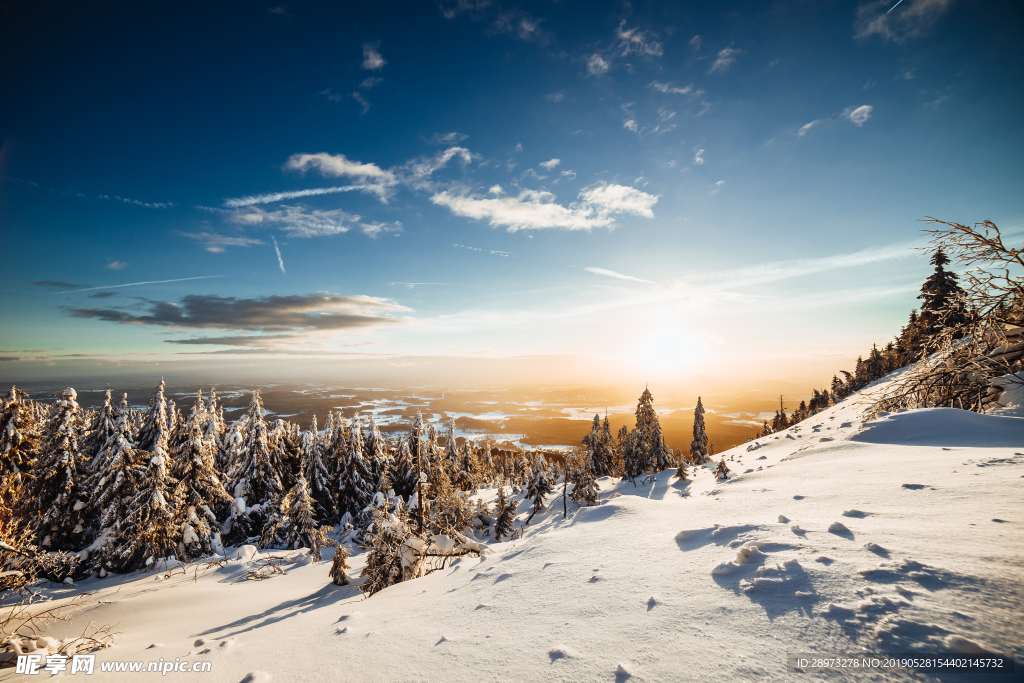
599, 190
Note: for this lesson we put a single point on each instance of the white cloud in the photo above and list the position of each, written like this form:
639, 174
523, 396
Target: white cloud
375, 179
370, 82
550, 164
277, 250
695, 42
612, 273
116, 265
596, 65
452, 138
555, 96
300, 222
519, 147
372, 59
571, 175
530, 173
273, 197
536, 209
364, 104
670, 89
725, 59
698, 157
496, 190
216, 244
807, 126
860, 114
910, 19
636, 41
418, 171
630, 124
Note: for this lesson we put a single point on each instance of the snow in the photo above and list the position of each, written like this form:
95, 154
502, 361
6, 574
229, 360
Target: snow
697, 580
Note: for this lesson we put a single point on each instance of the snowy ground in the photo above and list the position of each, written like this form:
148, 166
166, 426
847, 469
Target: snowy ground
900, 535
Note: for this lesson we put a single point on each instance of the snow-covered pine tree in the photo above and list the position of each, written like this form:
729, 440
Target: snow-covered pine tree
172, 418
19, 446
230, 449
102, 426
214, 427
661, 456
584, 485
57, 490
253, 477
451, 450
375, 454
296, 526
699, 445
465, 477
386, 563
449, 513
199, 490
286, 451
155, 431
505, 514
539, 487
591, 442
150, 532
403, 476
722, 471
317, 474
942, 298
354, 488
338, 566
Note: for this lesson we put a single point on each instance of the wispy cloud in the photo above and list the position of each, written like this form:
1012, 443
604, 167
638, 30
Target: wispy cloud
698, 157
595, 207
372, 59
695, 42
859, 115
668, 88
494, 252
275, 197
911, 18
57, 284
277, 250
136, 202
316, 311
612, 273
635, 41
216, 244
597, 65
296, 221
452, 138
725, 59
631, 125
807, 126
116, 265
550, 164
555, 96
374, 179
368, 83
364, 104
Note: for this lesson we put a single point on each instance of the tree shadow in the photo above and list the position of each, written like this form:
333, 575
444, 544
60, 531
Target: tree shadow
327, 595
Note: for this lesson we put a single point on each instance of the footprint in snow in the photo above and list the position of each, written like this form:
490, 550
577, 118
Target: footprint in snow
914, 487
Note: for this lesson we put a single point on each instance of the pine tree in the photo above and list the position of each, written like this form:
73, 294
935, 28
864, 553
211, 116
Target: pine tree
102, 427
661, 456
199, 490
155, 431
113, 483
539, 487
338, 566
722, 471
214, 427
57, 490
402, 476
375, 454
254, 476
449, 513
387, 559
19, 446
317, 474
354, 488
942, 298
584, 486
150, 532
505, 514
296, 527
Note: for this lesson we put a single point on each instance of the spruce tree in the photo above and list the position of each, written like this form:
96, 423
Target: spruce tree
722, 471
584, 486
338, 566
317, 474
387, 560
150, 532
539, 487
942, 298
57, 490
102, 426
296, 526
354, 488
699, 445
155, 431
254, 476
113, 484
19, 446
402, 475
199, 491
505, 515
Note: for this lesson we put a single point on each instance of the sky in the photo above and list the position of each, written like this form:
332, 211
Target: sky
488, 191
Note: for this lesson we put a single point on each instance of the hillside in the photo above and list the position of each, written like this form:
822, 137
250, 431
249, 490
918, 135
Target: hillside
898, 535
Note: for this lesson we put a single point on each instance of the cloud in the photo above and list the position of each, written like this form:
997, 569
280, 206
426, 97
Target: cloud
116, 265
147, 282
277, 250
630, 124
523, 26
136, 202
234, 340
275, 197
370, 82
612, 273
452, 138
698, 157
910, 19
695, 42
316, 311
555, 96
670, 89
102, 295
216, 244
635, 41
57, 284
297, 221
859, 115
596, 65
494, 252
9, 359
452, 8
374, 179
725, 59
280, 10
372, 60
417, 172
807, 126
550, 164
364, 104
595, 207
530, 173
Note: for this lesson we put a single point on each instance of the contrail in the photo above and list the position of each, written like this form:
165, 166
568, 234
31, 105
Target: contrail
280, 261
894, 6
280, 196
133, 284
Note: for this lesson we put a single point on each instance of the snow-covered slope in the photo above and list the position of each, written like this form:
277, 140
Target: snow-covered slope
899, 535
